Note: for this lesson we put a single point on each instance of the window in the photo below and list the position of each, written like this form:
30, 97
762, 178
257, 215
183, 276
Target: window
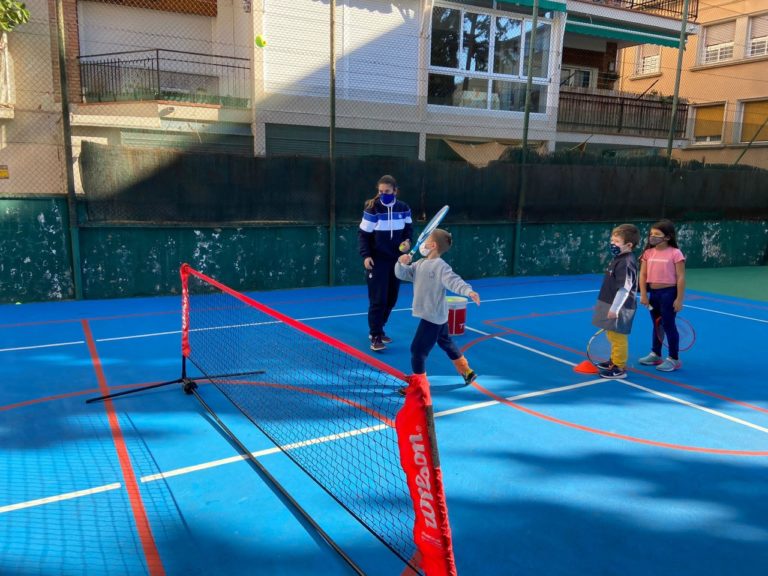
648, 59
708, 126
480, 60
754, 121
578, 77
758, 36
718, 42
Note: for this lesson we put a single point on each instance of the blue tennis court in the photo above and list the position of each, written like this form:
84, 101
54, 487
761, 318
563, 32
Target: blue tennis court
547, 471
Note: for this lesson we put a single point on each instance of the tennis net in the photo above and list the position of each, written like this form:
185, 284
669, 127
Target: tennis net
333, 410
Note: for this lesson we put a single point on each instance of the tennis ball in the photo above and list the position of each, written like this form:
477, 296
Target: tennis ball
18, 303
404, 247
260, 41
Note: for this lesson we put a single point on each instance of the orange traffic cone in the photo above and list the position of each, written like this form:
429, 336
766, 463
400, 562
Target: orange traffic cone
586, 367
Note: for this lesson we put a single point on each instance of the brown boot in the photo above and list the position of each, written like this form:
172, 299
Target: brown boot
462, 367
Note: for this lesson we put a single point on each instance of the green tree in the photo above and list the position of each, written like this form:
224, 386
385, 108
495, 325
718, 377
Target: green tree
12, 13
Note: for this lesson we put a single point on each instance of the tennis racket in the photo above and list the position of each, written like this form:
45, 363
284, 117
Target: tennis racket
429, 228
684, 329
599, 348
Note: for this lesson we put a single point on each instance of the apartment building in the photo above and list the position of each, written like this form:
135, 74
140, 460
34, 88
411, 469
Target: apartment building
414, 78
724, 78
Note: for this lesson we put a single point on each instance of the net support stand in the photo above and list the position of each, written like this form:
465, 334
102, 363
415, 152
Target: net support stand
183, 379
178, 380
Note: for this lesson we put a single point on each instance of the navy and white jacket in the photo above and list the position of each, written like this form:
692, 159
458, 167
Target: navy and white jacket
383, 229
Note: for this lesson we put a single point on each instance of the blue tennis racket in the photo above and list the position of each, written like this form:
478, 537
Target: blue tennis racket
429, 228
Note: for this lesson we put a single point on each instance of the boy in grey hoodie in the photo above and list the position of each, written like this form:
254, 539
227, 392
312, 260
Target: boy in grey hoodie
431, 276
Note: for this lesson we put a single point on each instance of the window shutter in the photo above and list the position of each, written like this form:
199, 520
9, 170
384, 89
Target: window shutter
709, 121
650, 50
754, 114
720, 33
759, 25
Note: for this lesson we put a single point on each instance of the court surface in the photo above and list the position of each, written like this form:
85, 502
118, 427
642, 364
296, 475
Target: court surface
546, 471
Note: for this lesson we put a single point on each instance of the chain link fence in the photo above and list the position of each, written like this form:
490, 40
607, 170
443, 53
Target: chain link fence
286, 112
430, 81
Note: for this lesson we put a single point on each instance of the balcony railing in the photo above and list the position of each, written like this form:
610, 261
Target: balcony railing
166, 75
628, 115
669, 8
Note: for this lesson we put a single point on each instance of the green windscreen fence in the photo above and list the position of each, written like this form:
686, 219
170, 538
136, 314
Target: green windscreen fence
157, 186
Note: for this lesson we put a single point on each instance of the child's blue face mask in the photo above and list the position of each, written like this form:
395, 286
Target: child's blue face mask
387, 198
615, 250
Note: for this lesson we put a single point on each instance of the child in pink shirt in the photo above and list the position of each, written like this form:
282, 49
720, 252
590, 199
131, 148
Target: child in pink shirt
662, 285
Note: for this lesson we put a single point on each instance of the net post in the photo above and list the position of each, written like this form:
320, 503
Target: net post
420, 460
184, 273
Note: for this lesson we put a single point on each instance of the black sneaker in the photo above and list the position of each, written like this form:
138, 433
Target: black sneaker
469, 377
376, 344
384, 338
604, 365
613, 373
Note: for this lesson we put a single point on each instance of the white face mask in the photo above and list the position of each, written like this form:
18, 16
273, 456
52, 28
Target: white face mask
424, 251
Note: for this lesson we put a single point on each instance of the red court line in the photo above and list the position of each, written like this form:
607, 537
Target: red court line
543, 416
71, 395
90, 319
506, 330
151, 554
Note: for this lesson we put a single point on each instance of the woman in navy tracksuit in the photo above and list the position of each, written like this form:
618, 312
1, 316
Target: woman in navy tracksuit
385, 232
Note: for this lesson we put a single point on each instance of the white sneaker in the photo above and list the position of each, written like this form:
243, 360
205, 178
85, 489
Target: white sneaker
652, 359
669, 365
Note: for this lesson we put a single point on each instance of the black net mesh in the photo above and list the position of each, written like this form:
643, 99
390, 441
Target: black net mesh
329, 411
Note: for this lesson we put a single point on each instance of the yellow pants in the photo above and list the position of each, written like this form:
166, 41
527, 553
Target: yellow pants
619, 348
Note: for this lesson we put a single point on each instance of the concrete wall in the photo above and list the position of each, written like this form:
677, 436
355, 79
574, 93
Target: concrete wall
140, 261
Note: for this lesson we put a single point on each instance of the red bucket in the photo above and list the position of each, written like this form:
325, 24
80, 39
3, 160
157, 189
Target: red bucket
457, 314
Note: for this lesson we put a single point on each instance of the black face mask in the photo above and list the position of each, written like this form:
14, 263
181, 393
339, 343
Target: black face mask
615, 250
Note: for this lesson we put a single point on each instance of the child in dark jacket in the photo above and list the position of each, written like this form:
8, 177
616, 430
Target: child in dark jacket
617, 301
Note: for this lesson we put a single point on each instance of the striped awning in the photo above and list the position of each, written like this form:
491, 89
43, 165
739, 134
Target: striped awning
620, 31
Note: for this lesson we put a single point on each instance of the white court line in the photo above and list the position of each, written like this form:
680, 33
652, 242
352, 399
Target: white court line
479, 405
540, 296
232, 459
524, 347
649, 390
306, 319
38, 346
266, 452
59, 498
726, 314
696, 406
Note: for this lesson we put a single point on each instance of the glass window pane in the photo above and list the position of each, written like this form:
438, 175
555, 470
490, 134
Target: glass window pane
540, 51
511, 96
477, 30
441, 89
506, 55
446, 27
461, 91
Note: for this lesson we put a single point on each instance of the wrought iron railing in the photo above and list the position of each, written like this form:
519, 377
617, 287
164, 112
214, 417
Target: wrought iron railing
628, 115
669, 8
166, 75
